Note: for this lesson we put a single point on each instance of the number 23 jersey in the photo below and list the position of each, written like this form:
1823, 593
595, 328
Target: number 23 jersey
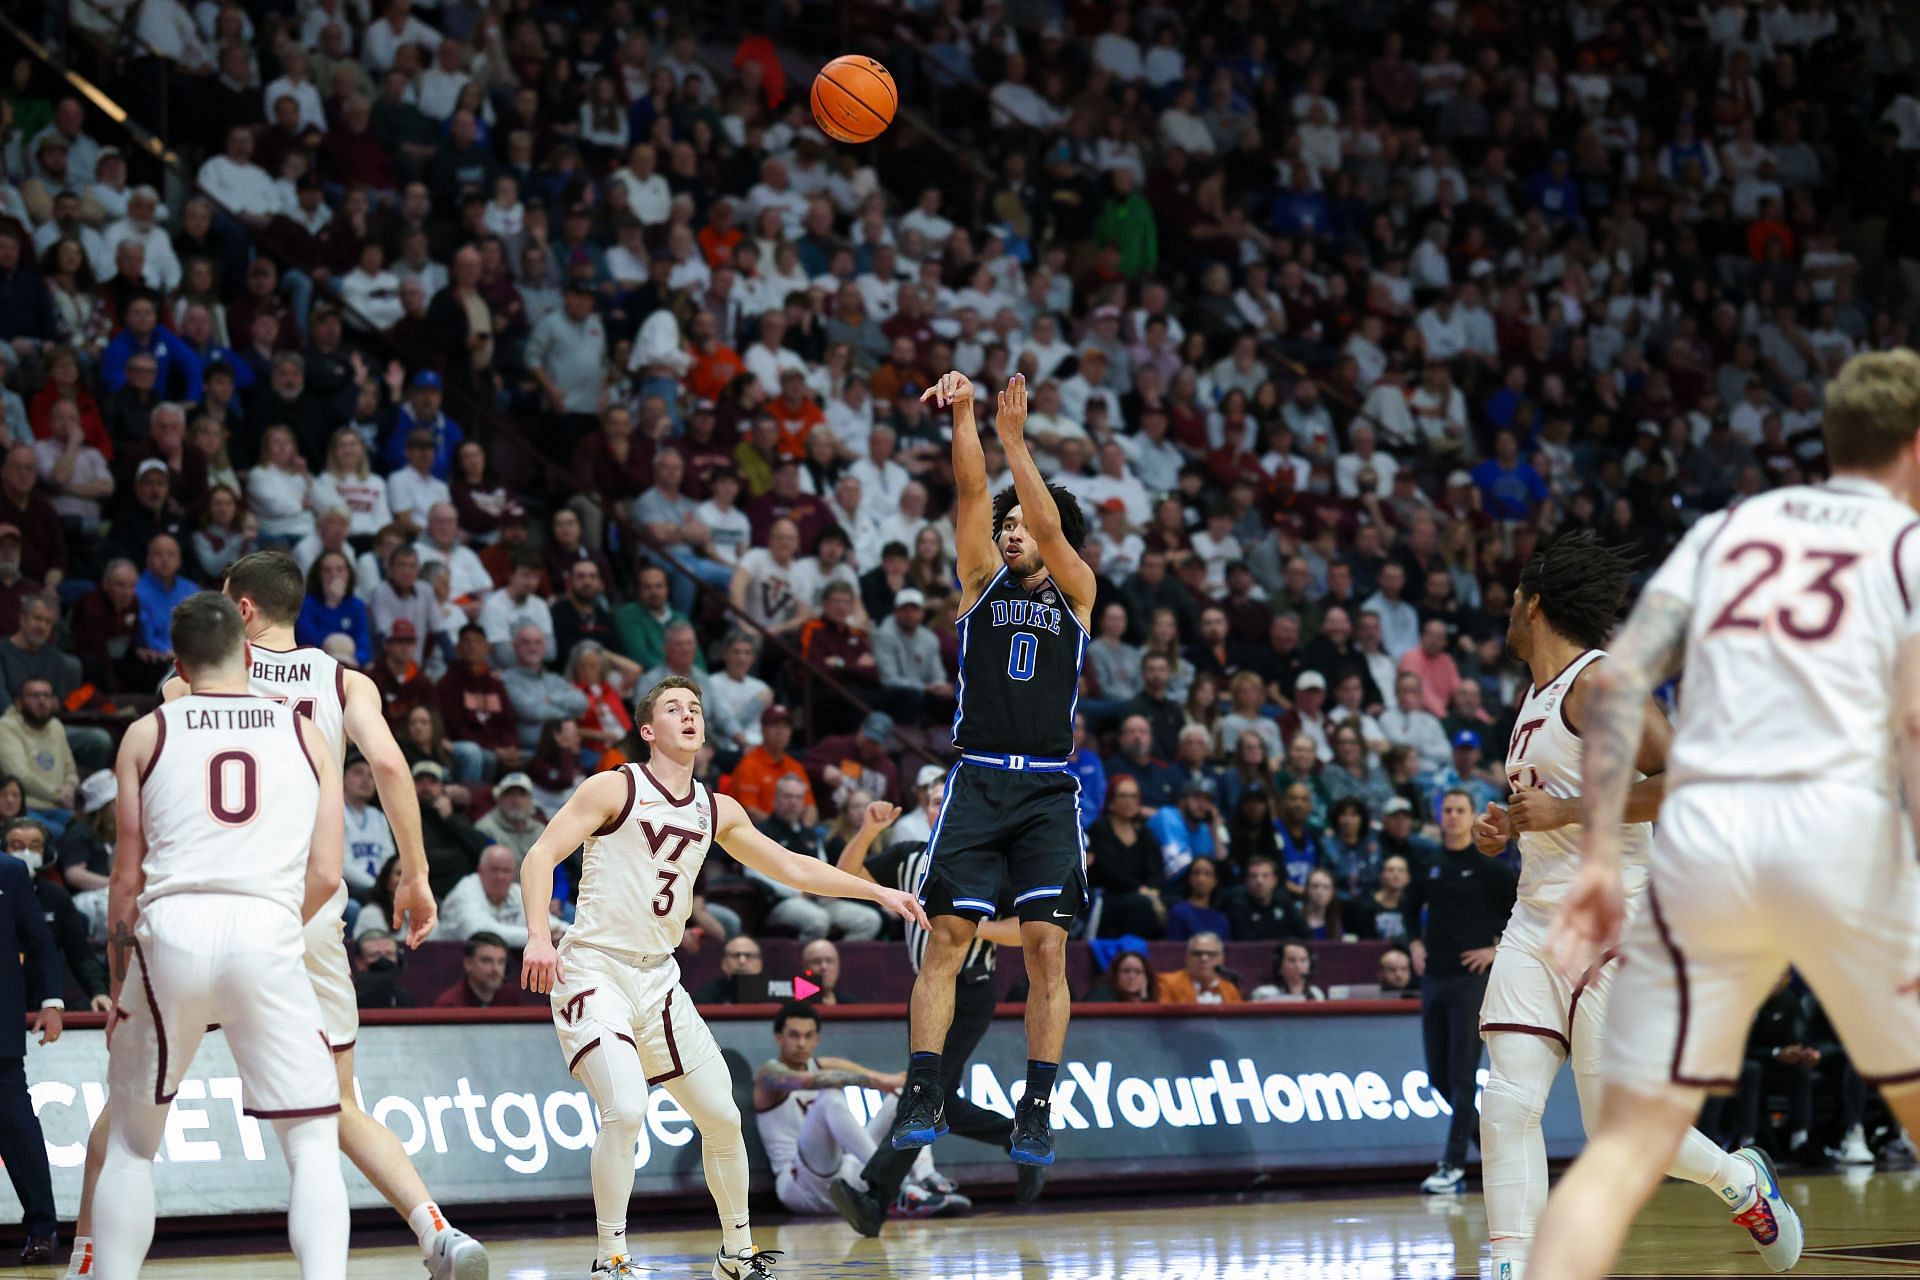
1799, 601
638, 871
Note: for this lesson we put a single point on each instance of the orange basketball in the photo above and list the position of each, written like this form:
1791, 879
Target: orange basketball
854, 99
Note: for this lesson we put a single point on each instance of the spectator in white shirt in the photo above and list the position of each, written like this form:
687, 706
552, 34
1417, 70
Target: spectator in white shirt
729, 532
1410, 724
882, 480
439, 86
516, 605
279, 490
237, 183
370, 291
161, 269
1181, 125
926, 220
1014, 102
766, 359
414, 491
1442, 329
775, 191
1399, 620
1116, 52
471, 583
398, 27
1116, 481
487, 900
1364, 457
293, 83
648, 195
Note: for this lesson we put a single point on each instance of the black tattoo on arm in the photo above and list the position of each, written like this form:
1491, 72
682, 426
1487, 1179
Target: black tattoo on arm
781, 1078
1650, 649
119, 951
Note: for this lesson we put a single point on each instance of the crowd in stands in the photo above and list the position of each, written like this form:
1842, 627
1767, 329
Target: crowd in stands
1332, 313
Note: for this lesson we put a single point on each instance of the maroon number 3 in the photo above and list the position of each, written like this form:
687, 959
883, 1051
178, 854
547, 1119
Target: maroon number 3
663, 900
228, 809
1825, 586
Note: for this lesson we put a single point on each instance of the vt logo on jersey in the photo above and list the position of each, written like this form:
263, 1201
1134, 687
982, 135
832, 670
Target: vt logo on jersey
657, 838
573, 1008
1027, 613
1522, 735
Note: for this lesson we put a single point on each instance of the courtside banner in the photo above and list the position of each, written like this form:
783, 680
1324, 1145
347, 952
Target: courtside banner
489, 1114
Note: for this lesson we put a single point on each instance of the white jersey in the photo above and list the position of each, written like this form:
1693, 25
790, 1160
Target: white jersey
780, 1126
1799, 601
1545, 752
637, 875
308, 680
229, 800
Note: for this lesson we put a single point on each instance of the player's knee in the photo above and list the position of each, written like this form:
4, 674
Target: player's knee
1508, 1107
623, 1115
1045, 948
719, 1119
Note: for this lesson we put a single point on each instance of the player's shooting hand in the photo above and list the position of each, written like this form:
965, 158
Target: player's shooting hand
1532, 809
540, 967
950, 389
880, 815
1011, 420
1492, 830
413, 905
1590, 917
900, 903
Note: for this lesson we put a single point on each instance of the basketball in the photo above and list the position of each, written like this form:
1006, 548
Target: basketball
854, 99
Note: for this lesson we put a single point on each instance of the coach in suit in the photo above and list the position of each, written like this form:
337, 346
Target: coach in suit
29, 979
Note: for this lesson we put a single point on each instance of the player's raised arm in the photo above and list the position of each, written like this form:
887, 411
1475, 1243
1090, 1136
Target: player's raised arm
129, 878
326, 856
973, 505
598, 802
737, 834
1039, 514
367, 729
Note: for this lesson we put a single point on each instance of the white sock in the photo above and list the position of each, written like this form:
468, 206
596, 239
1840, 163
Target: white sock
1508, 1268
81, 1261
1727, 1175
613, 1240
427, 1222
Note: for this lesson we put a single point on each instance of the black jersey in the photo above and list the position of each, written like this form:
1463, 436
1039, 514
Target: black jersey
1020, 656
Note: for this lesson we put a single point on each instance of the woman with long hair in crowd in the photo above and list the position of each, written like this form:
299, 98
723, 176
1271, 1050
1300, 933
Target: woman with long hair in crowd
930, 569
1321, 907
1348, 846
556, 768
1124, 864
482, 501
423, 736
1292, 974
1246, 713
1128, 980
1201, 706
1163, 638
606, 723
349, 481
64, 382
1196, 912
1391, 913
212, 438
1352, 774
331, 608
81, 313
1247, 767
378, 909
1250, 824
222, 535
279, 491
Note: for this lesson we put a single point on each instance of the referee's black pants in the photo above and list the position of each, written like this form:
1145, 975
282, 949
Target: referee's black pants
25, 1150
972, 1014
1450, 1025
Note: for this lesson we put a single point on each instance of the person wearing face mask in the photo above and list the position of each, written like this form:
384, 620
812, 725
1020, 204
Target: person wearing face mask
376, 972
29, 840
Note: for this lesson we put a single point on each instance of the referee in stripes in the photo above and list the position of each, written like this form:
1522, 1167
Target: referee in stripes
904, 866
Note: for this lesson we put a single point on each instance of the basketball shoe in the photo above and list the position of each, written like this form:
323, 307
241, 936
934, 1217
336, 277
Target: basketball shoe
1032, 1141
921, 1119
620, 1267
452, 1254
1770, 1220
757, 1265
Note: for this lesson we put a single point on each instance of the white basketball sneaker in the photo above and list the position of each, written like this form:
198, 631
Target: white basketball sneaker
1770, 1220
455, 1255
757, 1265
1854, 1148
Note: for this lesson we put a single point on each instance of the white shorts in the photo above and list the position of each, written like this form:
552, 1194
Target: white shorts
605, 998
802, 1190
1527, 993
332, 977
1749, 879
207, 959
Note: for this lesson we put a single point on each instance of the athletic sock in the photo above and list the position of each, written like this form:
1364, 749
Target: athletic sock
923, 1069
1510, 1266
1738, 1184
613, 1240
736, 1237
1040, 1077
80, 1262
427, 1222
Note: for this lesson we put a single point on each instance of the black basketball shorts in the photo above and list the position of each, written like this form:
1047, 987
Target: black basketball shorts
1010, 820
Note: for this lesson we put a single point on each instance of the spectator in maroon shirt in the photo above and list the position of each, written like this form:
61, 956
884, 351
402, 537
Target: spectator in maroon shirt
483, 984
43, 543
857, 759
785, 502
481, 728
402, 685
352, 153
832, 641
105, 625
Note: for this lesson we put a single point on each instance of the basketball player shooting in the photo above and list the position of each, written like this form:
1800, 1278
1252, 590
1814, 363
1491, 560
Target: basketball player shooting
624, 1022
1012, 806
1782, 840
268, 589
1534, 1019
230, 836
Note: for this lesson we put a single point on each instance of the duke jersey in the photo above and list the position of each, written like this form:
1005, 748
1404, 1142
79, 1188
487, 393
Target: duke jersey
229, 800
1799, 601
1545, 752
1020, 656
780, 1126
310, 681
637, 873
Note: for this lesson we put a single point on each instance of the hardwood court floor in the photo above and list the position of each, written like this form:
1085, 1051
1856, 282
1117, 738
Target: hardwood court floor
1857, 1225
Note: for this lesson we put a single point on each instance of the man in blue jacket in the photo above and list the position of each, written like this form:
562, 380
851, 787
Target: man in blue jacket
29, 980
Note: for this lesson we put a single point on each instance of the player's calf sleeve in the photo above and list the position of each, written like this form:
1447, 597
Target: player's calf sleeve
706, 1095
317, 1222
1513, 1150
123, 1197
618, 1083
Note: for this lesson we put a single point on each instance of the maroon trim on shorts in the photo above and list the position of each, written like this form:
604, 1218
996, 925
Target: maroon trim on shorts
1586, 980
1686, 1005
339, 1048
625, 809
585, 1049
693, 789
1528, 1029
1905, 1077
298, 1113
160, 1097
621, 1035
673, 1050
159, 741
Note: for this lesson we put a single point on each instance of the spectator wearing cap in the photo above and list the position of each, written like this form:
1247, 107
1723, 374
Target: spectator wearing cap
452, 844
161, 587
514, 822
1462, 773
843, 762
567, 356
910, 663
1439, 675
1191, 829
422, 412
1308, 718
761, 767
395, 673
84, 853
